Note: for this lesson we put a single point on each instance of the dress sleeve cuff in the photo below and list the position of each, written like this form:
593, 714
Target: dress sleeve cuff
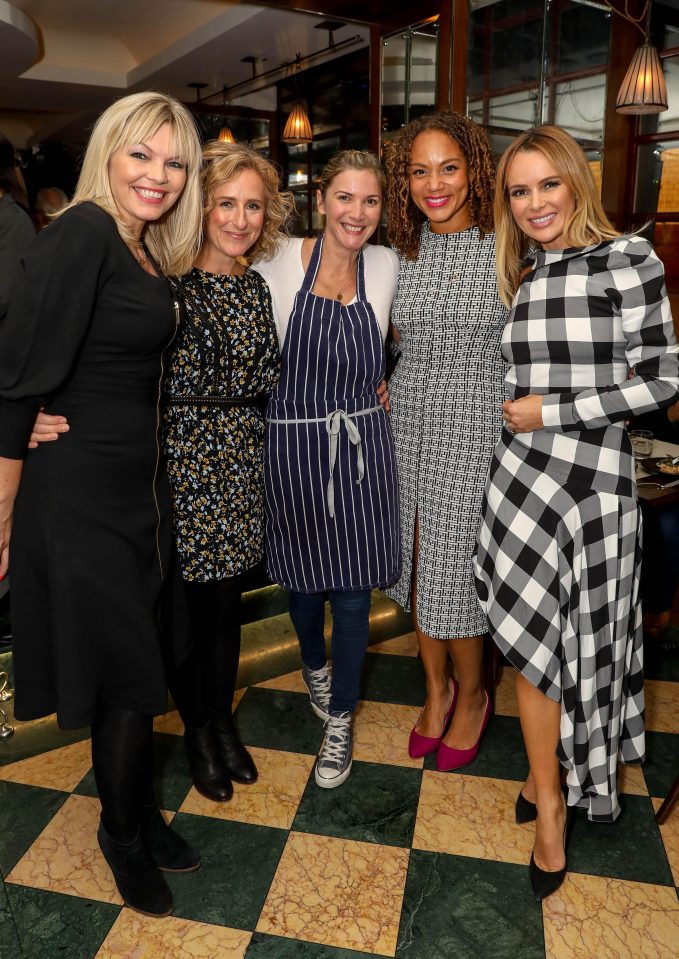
16, 420
556, 414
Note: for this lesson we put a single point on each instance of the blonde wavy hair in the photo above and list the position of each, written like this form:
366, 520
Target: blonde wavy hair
588, 225
174, 239
223, 162
404, 218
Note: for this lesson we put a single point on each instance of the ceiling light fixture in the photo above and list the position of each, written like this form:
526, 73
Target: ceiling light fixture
225, 134
297, 127
644, 89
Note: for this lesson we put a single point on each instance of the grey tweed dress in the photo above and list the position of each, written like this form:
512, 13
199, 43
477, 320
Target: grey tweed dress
446, 396
559, 548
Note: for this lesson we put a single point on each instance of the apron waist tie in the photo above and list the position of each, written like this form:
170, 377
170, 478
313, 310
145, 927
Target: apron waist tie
333, 423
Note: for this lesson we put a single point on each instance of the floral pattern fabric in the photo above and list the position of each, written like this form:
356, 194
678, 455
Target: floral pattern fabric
226, 348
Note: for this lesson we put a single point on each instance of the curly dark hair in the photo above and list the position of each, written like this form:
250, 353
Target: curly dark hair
404, 218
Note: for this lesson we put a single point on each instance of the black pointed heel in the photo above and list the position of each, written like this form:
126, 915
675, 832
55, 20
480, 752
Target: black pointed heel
526, 811
545, 883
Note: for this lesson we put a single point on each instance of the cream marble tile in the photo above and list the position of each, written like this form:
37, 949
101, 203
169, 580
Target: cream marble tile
61, 768
290, 682
133, 936
631, 780
662, 706
271, 801
471, 816
381, 732
337, 892
66, 857
505, 693
610, 919
670, 836
405, 645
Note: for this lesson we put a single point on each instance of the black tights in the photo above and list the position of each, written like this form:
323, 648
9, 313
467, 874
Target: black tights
206, 680
122, 759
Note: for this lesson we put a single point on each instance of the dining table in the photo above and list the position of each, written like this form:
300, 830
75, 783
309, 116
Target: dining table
658, 495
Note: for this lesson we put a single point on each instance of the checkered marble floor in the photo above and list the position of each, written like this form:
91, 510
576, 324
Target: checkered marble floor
400, 861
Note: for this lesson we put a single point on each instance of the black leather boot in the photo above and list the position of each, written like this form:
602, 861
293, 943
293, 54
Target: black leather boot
139, 881
167, 849
237, 759
210, 776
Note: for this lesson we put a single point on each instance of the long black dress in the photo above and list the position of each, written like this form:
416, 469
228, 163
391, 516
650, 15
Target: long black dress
91, 544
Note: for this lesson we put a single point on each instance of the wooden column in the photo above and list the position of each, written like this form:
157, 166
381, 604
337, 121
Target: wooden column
453, 54
618, 166
375, 86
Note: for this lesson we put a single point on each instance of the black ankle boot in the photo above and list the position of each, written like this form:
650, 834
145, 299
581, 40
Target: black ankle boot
237, 759
210, 776
167, 849
139, 881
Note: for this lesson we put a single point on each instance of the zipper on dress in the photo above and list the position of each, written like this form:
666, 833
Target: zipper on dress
177, 316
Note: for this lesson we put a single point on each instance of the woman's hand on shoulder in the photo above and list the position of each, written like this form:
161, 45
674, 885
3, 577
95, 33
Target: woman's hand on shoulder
47, 428
523, 415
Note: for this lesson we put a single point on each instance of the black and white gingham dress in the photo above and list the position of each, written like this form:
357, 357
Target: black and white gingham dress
558, 557
446, 396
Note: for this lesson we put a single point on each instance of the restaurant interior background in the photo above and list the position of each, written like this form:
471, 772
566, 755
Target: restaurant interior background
359, 70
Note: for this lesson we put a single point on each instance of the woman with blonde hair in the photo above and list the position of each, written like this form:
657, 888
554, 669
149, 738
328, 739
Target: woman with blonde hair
224, 364
590, 342
445, 398
91, 543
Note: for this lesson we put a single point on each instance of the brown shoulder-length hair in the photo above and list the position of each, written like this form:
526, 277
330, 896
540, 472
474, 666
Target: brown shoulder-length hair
404, 218
223, 162
587, 225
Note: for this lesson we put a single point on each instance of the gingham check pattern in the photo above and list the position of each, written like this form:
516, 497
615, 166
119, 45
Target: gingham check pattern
558, 555
446, 396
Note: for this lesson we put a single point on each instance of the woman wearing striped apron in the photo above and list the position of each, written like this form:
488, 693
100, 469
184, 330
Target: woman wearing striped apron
331, 492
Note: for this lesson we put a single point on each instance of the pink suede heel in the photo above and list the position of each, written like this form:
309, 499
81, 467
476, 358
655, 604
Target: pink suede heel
448, 758
418, 745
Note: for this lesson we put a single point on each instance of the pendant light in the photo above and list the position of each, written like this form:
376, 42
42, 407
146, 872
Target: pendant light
644, 89
297, 127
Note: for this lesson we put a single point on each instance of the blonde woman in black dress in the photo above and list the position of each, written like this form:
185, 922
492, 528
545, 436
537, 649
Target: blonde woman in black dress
89, 320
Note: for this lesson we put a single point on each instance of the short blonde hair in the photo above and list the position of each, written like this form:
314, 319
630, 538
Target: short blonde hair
588, 225
223, 162
361, 160
174, 239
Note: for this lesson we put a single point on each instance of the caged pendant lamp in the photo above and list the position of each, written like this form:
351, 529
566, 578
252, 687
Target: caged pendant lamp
644, 89
225, 135
297, 127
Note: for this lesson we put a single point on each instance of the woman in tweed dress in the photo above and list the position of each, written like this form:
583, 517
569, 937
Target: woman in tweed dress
445, 398
590, 342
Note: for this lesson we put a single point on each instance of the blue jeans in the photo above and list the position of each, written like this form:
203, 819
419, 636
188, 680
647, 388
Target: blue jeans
350, 618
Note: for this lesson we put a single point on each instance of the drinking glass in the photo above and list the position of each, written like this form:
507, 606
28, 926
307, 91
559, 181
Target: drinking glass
642, 443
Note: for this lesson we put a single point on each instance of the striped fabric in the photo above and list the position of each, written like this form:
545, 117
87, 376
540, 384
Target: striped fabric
559, 549
333, 359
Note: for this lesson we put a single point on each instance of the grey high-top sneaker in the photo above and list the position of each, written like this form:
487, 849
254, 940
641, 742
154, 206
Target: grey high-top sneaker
317, 681
334, 760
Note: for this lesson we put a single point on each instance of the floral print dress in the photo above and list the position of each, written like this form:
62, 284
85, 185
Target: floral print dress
225, 362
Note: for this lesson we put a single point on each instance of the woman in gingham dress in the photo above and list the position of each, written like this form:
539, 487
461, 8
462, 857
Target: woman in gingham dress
590, 342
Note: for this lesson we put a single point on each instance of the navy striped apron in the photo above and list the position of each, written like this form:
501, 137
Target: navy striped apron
330, 473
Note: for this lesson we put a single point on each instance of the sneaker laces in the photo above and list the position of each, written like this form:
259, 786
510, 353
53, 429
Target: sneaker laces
336, 741
320, 682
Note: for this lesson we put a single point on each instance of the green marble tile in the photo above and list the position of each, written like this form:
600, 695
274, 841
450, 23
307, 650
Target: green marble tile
51, 925
660, 768
238, 865
9, 936
269, 648
630, 848
502, 754
468, 908
276, 947
24, 813
661, 656
392, 679
172, 778
377, 803
275, 719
